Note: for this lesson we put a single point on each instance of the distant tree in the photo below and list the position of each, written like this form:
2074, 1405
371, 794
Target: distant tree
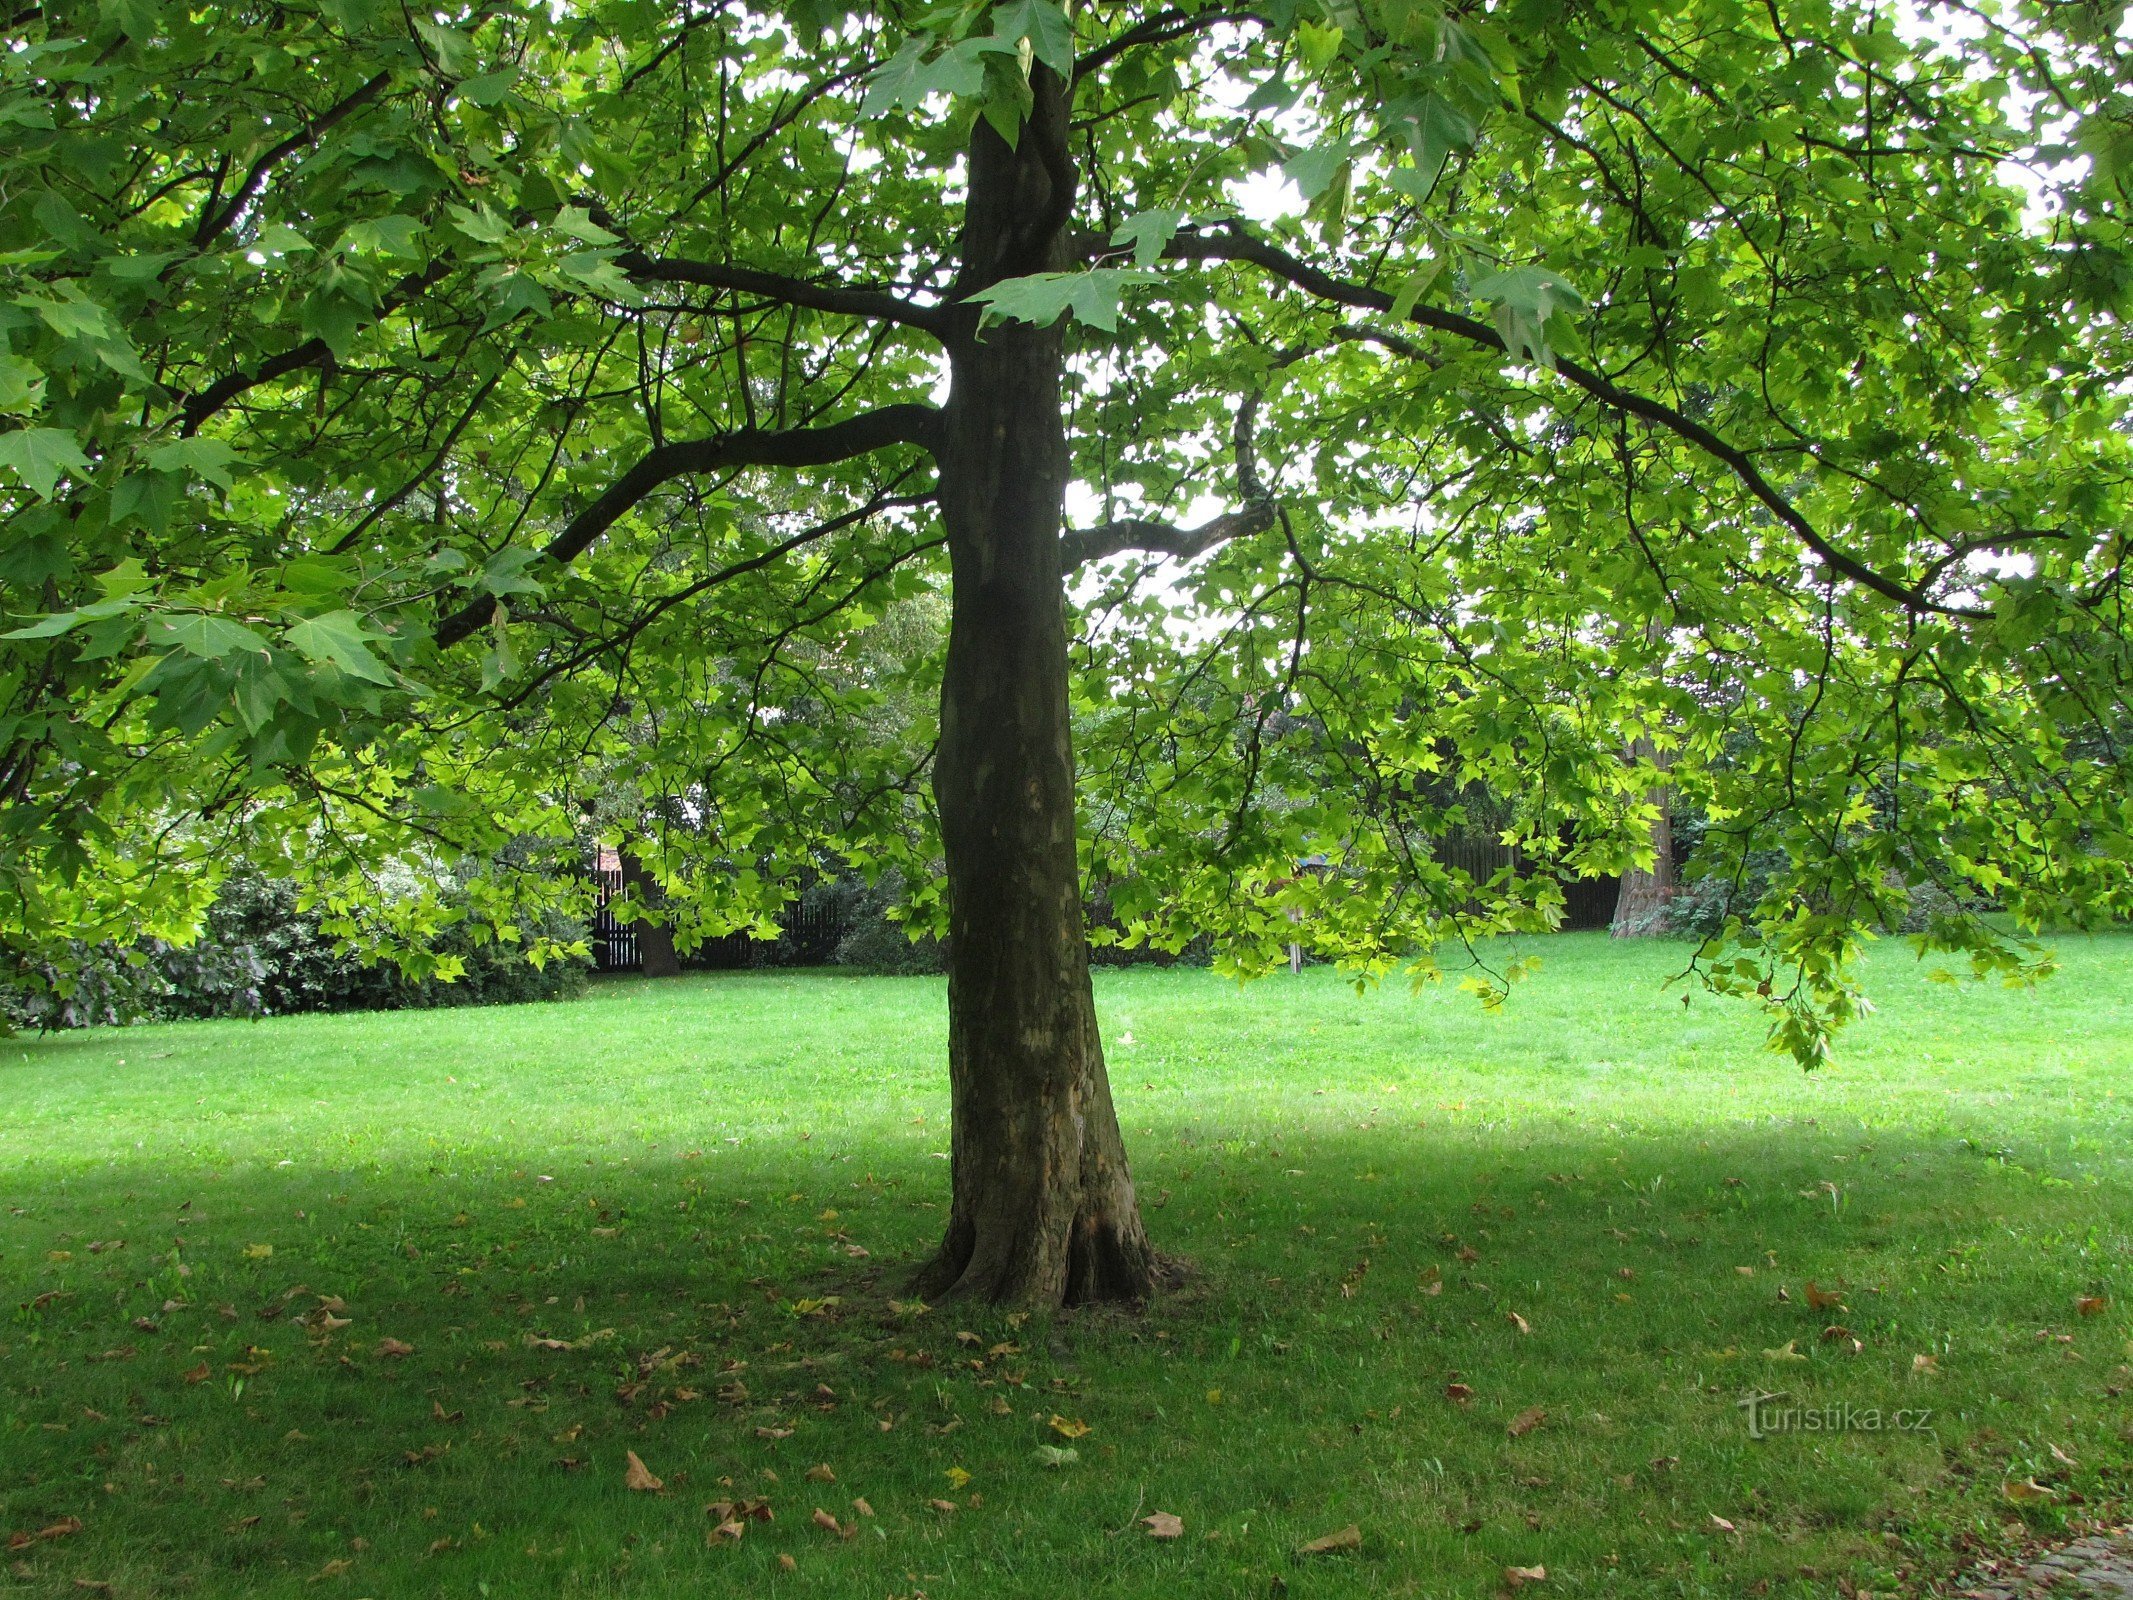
407, 411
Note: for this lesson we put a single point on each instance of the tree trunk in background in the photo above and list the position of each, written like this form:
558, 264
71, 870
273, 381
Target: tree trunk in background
655, 941
1640, 909
1043, 1210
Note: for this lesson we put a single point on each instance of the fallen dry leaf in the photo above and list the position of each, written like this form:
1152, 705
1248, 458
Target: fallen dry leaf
1788, 1351
957, 1477
639, 1476
2027, 1492
1519, 1577
1526, 1421
1348, 1538
1721, 1524
395, 1348
1164, 1525
773, 1433
860, 1506
729, 1531
822, 1519
787, 1564
944, 1507
332, 1569
1821, 1299
820, 1473
199, 1374
1068, 1427
1926, 1365
2091, 1305
1518, 1322
1458, 1393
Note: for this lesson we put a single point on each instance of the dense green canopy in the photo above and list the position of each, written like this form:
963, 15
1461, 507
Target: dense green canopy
423, 427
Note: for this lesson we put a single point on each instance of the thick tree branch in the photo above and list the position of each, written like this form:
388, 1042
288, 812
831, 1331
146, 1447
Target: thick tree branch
750, 447
1232, 243
219, 217
1079, 546
195, 408
836, 299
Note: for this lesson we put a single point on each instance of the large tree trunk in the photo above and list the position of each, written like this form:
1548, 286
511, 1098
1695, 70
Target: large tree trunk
655, 940
1640, 907
1043, 1209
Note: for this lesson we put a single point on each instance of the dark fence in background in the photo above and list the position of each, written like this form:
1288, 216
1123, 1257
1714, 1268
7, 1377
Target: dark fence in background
1587, 902
808, 936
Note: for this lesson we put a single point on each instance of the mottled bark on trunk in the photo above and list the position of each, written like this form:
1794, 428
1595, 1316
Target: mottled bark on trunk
1043, 1209
1640, 907
655, 940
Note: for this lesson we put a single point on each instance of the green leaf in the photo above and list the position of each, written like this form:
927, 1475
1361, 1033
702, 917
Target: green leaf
203, 634
1318, 45
1042, 297
393, 236
1314, 170
1148, 232
38, 456
907, 79
339, 639
66, 621
490, 87
1525, 298
1044, 25
1433, 128
204, 458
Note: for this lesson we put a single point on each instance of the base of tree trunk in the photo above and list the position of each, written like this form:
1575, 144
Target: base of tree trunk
1640, 909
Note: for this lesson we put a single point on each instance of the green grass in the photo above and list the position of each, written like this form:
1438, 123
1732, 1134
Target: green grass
691, 1164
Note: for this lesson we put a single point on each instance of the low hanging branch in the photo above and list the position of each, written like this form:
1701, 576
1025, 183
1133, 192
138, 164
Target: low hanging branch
751, 447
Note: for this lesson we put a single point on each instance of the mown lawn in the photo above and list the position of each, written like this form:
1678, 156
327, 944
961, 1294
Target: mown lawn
709, 1189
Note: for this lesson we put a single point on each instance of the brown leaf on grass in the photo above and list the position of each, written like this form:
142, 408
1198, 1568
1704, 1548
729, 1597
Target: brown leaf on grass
787, 1564
1164, 1525
820, 1473
1926, 1366
1519, 1577
1518, 1322
2091, 1305
332, 1569
94, 1585
199, 1374
1526, 1421
394, 1349
440, 1414
332, 1304
243, 1523
2027, 1492
1721, 1524
773, 1433
829, 1524
1458, 1393
727, 1532
1821, 1299
1348, 1538
638, 1476
1068, 1427
1665, 1463
1836, 1333
944, 1507
147, 1325
860, 1506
